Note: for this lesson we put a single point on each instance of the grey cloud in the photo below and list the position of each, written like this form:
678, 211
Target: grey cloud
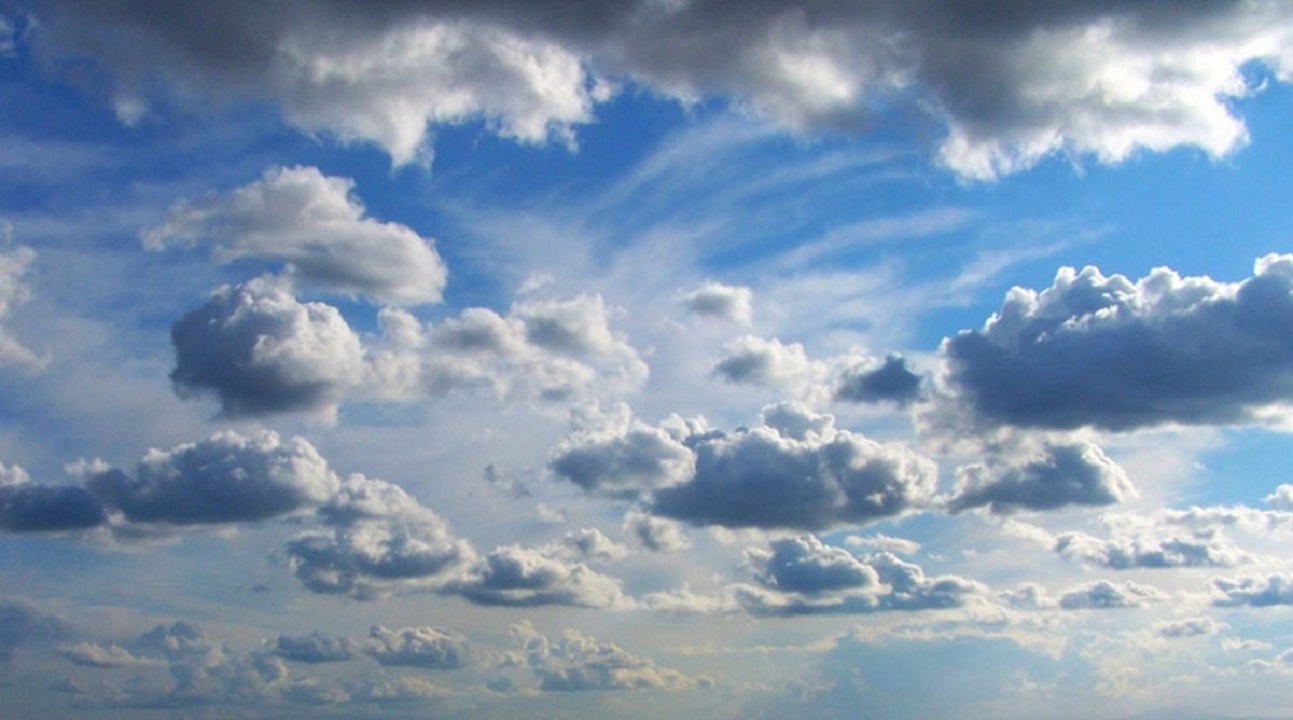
1101, 79
721, 301
315, 648
315, 226
515, 576
1276, 589
1105, 595
261, 351
805, 565
654, 533
226, 478
623, 458
423, 647
577, 662
891, 382
752, 360
1106, 352
31, 507
21, 623
1063, 475
591, 544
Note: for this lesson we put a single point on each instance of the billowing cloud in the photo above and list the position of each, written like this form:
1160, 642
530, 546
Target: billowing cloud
315, 648
725, 302
1276, 589
26, 506
1115, 354
516, 576
314, 225
1106, 595
15, 260
423, 647
656, 534
802, 575
1063, 475
1008, 87
261, 351
892, 381
577, 662
226, 478
380, 541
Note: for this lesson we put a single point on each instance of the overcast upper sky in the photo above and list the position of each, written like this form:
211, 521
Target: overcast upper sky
644, 359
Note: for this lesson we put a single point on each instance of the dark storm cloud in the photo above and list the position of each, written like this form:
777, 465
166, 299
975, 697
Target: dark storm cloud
1063, 475
261, 351
227, 478
1003, 88
891, 382
1106, 352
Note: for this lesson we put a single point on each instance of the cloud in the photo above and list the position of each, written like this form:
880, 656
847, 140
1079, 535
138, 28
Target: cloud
381, 541
751, 360
30, 507
795, 477
1148, 552
655, 533
227, 478
261, 351
316, 227
89, 654
1109, 353
1106, 595
577, 662
515, 576
15, 261
1189, 627
21, 623
1276, 589
1063, 475
315, 648
1281, 499
1006, 89
618, 456
891, 382
802, 575
724, 302
423, 647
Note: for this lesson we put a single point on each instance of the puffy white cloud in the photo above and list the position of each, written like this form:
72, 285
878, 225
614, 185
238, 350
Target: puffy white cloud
15, 260
725, 302
1276, 589
315, 648
261, 351
655, 533
1010, 87
1106, 595
226, 478
423, 647
1062, 475
577, 662
316, 227
26, 506
892, 381
516, 576
1281, 499
1115, 354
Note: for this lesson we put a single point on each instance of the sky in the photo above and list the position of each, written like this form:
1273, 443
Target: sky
418, 358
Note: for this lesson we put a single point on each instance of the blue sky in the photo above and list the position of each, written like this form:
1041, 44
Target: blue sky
645, 358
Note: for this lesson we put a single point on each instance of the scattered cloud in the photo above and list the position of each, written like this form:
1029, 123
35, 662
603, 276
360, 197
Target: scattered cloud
1106, 595
26, 506
577, 662
1062, 475
422, 647
656, 534
891, 381
724, 302
315, 648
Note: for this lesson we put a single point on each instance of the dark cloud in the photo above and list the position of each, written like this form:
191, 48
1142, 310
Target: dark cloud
1063, 475
1276, 589
515, 576
422, 647
261, 351
30, 507
227, 478
1106, 352
315, 648
313, 224
1004, 88
891, 382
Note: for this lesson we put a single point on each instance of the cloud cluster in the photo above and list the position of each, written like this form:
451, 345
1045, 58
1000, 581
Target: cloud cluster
796, 471
1110, 353
1062, 475
312, 224
577, 662
1094, 595
1007, 88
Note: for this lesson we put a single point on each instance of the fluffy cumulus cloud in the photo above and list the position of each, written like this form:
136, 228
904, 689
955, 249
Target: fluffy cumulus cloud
795, 471
15, 260
577, 662
516, 576
315, 648
378, 541
259, 350
656, 534
26, 506
1062, 475
802, 575
751, 360
1107, 352
313, 224
724, 302
1106, 595
422, 647
1275, 589
890, 381
1008, 87
227, 478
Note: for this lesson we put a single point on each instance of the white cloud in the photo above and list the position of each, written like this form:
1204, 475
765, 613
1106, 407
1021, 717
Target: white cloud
318, 229
655, 533
725, 302
1276, 589
1106, 595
